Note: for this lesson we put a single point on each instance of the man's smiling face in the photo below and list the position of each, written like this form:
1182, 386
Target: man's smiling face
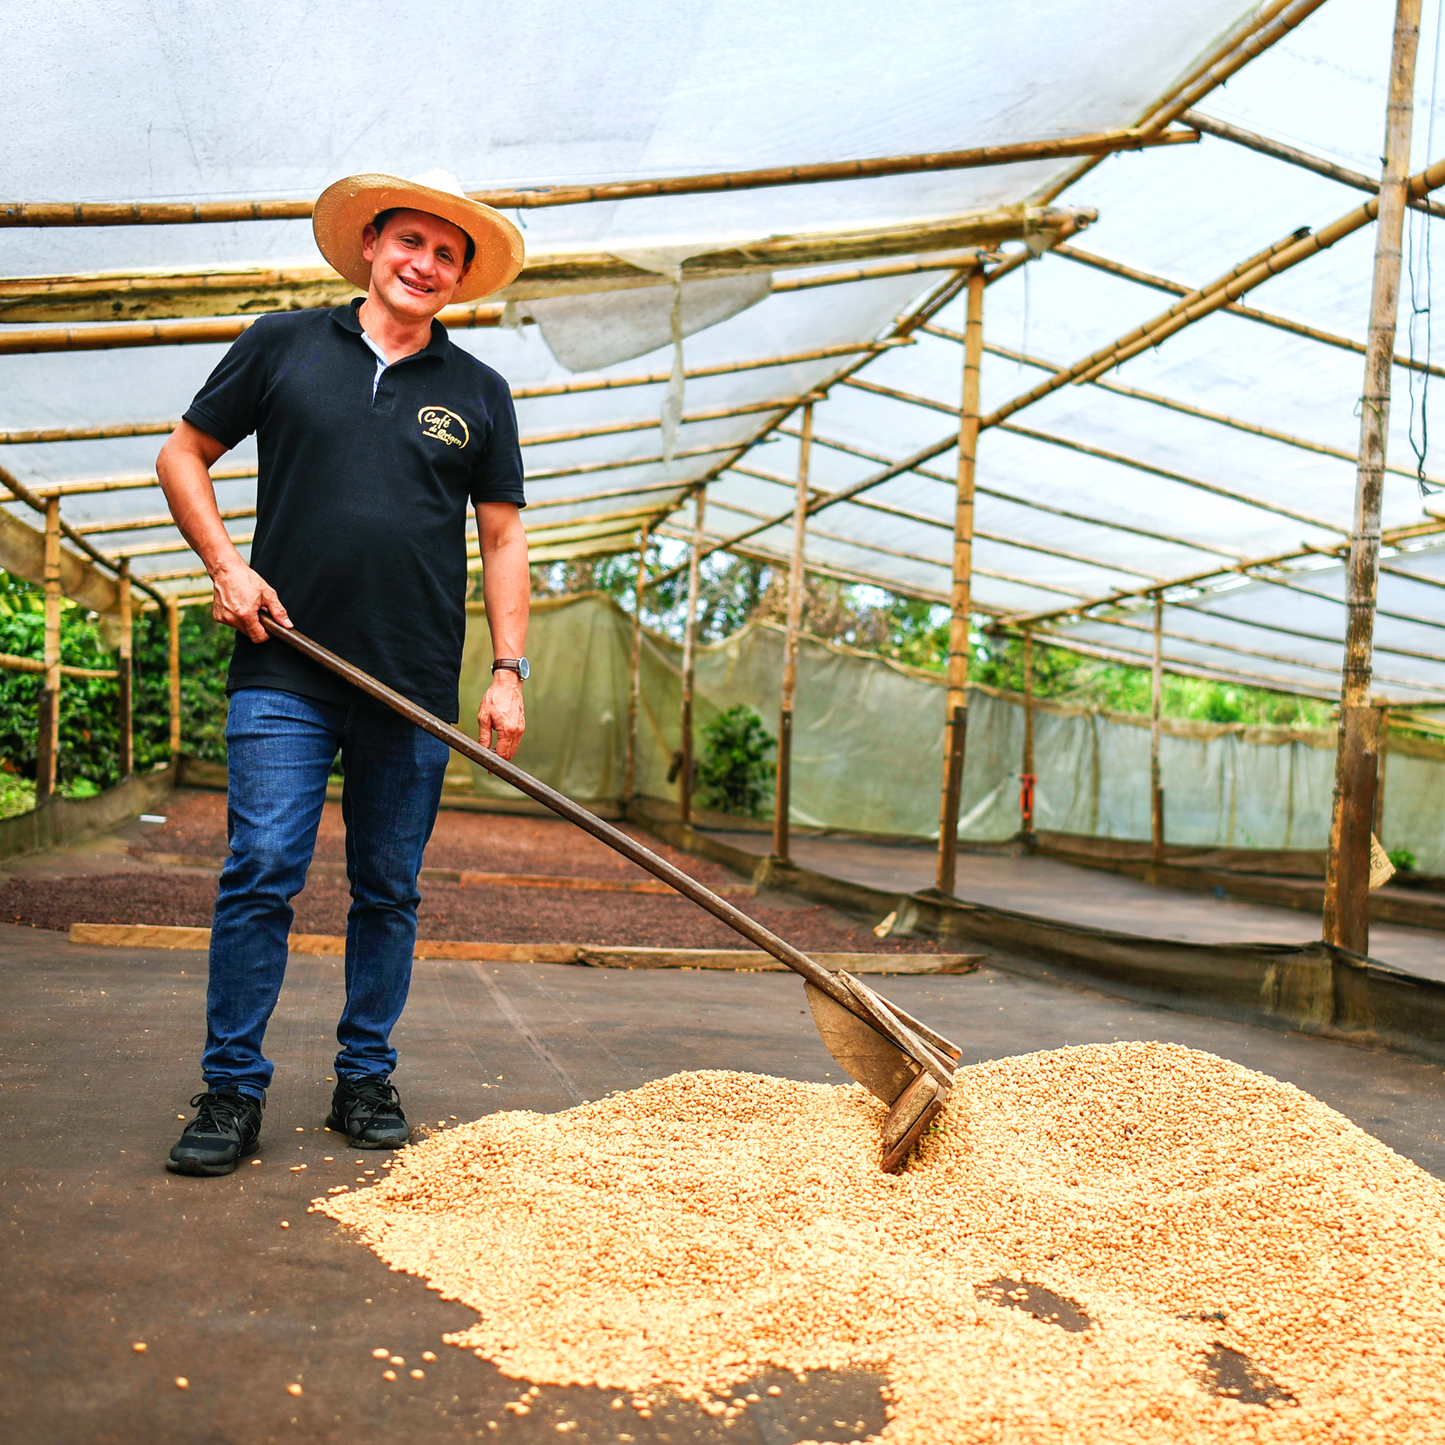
417, 262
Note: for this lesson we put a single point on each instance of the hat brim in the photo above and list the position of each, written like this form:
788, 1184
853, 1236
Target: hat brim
346, 208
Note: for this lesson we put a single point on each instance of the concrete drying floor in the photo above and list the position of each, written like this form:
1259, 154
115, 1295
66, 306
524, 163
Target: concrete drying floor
104, 1248
1054, 889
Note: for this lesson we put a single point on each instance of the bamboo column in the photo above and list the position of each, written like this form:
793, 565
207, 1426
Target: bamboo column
1347, 868
689, 659
173, 629
125, 750
1380, 788
782, 793
1156, 709
1028, 780
634, 693
956, 703
47, 744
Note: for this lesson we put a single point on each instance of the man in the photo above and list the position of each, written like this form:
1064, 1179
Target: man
374, 434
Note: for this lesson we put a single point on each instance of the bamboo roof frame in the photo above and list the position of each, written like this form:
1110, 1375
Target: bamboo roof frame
1183, 408
1234, 649
1246, 42
1249, 313
1291, 155
885, 509
1244, 567
171, 213
1031, 503
1282, 255
155, 298
1261, 29
1104, 454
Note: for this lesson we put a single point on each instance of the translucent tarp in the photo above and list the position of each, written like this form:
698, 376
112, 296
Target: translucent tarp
1084, 495
867, 749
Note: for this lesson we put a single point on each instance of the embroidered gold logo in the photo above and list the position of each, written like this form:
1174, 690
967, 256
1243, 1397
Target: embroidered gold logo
443, 426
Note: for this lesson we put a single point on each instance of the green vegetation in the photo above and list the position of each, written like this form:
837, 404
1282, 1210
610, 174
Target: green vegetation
733, 773
1402, 858
89, 722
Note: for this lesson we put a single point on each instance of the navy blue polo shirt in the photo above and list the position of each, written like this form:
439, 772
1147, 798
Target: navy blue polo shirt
362, 501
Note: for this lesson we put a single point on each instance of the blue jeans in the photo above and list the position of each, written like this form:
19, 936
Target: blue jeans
281, 748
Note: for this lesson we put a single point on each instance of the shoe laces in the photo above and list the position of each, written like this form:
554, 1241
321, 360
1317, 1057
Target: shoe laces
376, 1095
220, 1112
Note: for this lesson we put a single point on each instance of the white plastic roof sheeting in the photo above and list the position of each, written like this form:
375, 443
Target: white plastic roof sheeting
123, 102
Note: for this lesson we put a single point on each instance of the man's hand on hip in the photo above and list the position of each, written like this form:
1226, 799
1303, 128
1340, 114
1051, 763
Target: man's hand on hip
240, 595
502, 712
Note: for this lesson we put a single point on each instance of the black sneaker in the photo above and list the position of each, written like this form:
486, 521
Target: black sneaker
227, 1127
368, 1111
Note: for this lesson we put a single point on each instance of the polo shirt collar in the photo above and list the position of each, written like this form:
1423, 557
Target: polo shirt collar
348, 318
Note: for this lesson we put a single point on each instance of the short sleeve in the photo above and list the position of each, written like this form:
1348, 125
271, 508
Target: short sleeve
228, 406
498, 475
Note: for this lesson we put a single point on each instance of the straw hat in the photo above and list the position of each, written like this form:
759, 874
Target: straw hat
345, 208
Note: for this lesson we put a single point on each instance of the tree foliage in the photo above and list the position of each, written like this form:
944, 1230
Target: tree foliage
733, 774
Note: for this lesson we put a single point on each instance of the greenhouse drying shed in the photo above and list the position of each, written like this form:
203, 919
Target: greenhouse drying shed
1105, 331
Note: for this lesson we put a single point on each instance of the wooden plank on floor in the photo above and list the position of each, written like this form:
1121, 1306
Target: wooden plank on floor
143, 935
468, 877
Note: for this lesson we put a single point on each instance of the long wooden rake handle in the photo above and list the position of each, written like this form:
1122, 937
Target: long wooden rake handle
562, 805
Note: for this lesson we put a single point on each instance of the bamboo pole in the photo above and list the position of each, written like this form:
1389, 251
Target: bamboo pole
1236, 650
908, 555
1156, 708
782, 793
9, 662
634, 691
620, 464
1028, 781
651, 423
1280, 630
888, 510
161, 549
150, 299
1104, 455
1380, 785
956, 698
1168, 475
1259, 26
1249, 313
1220, 72
1276, 150
171, 213
693, 373
47, 750
1347, 864
1183, 408
125, 751
1140, 657
131, 482
127, 335
1282, 256
1244, 566
689, 660
173, 668
152, 523
849, 449
29, 436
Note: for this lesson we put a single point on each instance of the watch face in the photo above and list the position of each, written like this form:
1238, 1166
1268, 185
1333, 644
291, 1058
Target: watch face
524, 669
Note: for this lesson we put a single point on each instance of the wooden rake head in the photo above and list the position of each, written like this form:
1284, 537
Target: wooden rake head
895, 1057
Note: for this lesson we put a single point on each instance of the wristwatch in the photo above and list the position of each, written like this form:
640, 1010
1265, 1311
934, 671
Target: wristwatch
519, 665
